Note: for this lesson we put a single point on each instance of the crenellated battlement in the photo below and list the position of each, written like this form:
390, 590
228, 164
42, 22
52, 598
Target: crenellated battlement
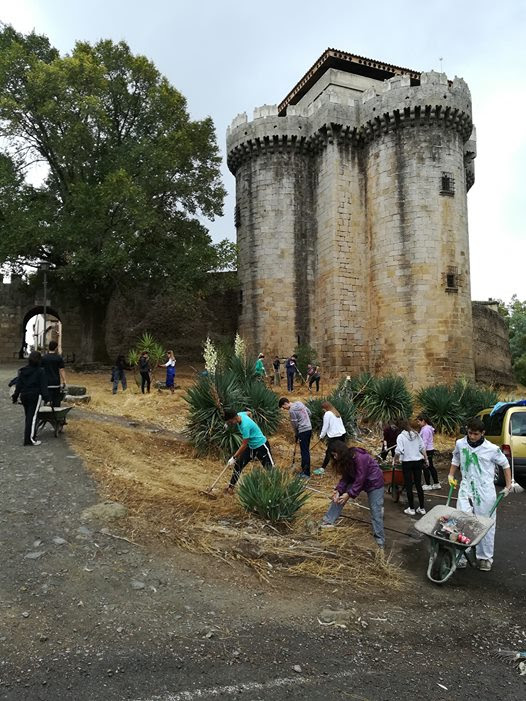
393, 104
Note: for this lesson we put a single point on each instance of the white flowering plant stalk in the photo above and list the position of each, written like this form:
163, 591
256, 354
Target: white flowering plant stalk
240, 349
210, 356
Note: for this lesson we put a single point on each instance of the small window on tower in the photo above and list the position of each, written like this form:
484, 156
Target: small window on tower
237, 217
447, 184
451, 279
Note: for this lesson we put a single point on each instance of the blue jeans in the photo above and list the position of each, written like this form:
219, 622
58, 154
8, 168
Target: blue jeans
376, 504
119, 376
304, 440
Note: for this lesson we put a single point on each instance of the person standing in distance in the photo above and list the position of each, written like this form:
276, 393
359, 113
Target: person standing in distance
253, 445
53, 365
291, 370
145, 369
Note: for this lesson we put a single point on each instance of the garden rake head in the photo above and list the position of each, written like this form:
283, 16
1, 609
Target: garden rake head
512, 656
208, 492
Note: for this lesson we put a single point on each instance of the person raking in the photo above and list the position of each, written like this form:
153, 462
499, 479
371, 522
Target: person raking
299, 416
253, 445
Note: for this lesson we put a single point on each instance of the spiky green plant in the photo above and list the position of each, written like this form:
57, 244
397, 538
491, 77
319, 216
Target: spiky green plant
240, 347
387, 399
360, 386
272, 494
473, 398
207, 400
146, 343
263, 404
441, 404
210, 356
209, 397
243, 368
344, 406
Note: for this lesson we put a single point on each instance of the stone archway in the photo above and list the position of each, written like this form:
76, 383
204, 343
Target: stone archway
53, 323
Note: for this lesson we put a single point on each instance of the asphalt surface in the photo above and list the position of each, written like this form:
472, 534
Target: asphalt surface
85, 615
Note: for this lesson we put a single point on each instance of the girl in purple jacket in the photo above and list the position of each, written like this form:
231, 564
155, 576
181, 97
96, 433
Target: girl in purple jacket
359, 472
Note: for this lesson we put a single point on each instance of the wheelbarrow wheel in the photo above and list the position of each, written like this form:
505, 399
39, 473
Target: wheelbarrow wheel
442, 565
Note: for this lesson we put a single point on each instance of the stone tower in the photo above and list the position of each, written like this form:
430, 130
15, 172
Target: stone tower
351, 217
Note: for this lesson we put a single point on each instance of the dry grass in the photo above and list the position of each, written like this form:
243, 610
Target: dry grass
160, 479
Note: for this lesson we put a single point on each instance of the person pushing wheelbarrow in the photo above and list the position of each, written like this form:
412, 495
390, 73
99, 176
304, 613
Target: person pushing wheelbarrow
477, 458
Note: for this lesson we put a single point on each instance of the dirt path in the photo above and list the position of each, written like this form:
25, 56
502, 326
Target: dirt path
87, 616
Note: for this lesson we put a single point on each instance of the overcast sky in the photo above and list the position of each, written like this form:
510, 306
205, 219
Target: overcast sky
228, 56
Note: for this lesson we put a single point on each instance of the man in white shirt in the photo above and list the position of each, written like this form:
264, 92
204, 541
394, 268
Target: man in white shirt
477, 458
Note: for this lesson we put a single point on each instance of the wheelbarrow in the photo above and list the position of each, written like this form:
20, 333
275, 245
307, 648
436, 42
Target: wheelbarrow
393, 480
445, 554
56, 416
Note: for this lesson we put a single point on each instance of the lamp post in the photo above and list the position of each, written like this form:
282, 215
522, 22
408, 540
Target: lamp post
44, 267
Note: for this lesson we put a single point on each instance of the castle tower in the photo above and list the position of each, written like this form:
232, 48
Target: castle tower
351, 214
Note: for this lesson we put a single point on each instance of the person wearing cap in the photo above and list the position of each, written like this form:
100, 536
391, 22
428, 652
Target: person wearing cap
253, 445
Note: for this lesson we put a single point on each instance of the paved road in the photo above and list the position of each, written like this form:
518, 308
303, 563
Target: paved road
85, 616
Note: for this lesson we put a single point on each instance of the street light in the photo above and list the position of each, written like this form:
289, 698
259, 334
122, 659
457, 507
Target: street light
44, 267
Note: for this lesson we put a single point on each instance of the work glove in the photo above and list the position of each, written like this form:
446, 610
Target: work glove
452, 481
231, 462
507, 490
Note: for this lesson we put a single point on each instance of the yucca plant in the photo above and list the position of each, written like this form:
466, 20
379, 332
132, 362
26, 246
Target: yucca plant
473, 398
243, 368
360, 386
272, 494
344, 406
387, 399
263, 404
441, 404
146, 343
207, 400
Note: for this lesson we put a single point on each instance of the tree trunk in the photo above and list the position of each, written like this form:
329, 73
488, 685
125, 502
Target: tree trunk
93, 333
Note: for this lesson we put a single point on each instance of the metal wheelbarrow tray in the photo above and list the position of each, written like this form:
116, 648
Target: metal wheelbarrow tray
56, 416
445, 554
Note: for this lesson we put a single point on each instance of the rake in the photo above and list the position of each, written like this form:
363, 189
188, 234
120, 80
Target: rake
208, 492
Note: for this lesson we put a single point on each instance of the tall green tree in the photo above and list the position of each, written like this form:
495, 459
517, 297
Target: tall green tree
515, 316
129, 177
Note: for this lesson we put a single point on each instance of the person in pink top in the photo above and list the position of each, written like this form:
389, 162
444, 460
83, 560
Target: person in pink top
427, 431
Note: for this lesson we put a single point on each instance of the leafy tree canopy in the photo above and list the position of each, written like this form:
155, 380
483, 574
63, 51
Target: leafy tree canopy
515, 315
128, 175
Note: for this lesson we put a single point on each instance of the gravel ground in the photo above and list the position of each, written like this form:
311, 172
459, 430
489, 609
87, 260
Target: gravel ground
86, 615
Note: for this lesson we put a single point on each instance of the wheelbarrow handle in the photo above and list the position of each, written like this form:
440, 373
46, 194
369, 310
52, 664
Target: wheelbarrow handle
497, 502
450, 494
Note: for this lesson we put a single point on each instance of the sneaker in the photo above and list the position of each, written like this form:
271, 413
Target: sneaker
485, 565
420, 511
437, 485
409, 511
427, 487
319, 471
304, 476
36, 443
327, 525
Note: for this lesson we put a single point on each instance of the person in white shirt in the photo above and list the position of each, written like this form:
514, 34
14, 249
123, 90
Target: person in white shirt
170, 370
476, 458
333, 429
411, 452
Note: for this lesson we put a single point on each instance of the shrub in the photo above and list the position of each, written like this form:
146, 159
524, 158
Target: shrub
386, 399
272, 494
441, 404
154, 349
343, 405
360, 386
243, 369
472, 398
207, 399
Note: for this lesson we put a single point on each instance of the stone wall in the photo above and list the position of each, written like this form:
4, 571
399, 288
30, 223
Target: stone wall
353, 225
491, 346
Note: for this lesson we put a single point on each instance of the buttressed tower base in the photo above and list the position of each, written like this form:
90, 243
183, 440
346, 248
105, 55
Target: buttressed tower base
351, 216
